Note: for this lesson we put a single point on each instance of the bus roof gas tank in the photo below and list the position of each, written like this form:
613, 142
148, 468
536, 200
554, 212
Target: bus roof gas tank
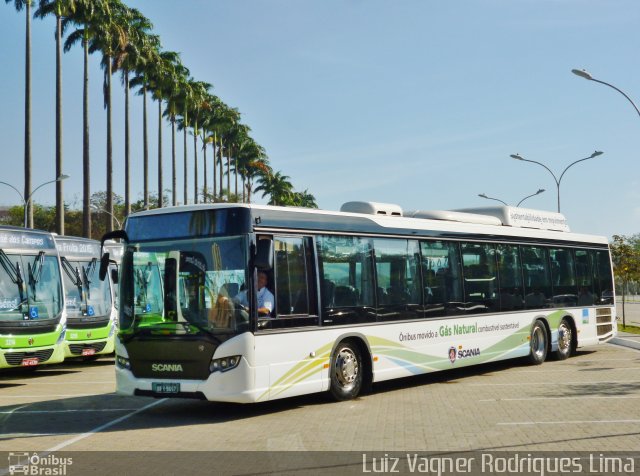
524, 217
372, 208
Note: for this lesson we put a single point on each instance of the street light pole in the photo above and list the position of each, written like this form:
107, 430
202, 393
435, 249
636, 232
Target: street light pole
556, 179
540, 190
25, 202
483, 195
491, 198
586, 75
102, 210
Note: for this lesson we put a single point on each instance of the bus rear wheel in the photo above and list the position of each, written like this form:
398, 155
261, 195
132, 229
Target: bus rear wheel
565, 340
346, 371
538, 343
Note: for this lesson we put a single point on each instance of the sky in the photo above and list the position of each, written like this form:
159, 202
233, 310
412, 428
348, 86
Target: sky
419, 103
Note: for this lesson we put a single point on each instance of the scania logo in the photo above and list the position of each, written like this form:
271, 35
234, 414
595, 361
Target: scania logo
166, 367
30, 341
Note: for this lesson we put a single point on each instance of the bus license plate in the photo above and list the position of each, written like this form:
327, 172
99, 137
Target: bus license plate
164, 387
30, 361
88, 351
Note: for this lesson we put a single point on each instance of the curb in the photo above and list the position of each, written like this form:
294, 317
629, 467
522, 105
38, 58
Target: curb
621, 341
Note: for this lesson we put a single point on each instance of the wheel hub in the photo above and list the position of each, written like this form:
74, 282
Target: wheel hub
346, 367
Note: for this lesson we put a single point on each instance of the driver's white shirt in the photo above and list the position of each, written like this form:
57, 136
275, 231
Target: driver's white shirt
265, 299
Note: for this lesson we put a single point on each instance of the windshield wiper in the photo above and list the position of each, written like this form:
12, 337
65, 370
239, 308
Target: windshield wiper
86, 272
35, 272
72, 273
14, 273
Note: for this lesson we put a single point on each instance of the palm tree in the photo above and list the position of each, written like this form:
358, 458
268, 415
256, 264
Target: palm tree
160, 80
83, 16
175, 99
111, 26
19, 5
250, 163
303, 199
198, 104
58, 8
277, 186
149, 50
127, 58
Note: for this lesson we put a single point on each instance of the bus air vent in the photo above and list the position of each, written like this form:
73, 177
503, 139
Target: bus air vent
372, 208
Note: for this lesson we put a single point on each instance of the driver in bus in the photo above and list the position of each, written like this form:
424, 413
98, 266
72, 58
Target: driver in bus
265, 297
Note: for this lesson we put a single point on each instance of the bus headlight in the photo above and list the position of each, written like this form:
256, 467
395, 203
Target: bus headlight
225, 363
123, 362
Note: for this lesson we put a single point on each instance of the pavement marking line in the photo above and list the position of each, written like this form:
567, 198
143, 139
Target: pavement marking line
577, 422
590, 369
591, 382
47, 396
526, 399
103, 427
26, 412
66, 382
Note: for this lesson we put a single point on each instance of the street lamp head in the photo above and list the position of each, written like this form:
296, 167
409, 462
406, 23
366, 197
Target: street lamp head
516, 156
582, 73
62, 177
540, 191
483, 195
596, 154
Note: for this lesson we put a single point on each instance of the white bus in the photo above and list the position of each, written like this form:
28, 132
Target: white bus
362, 295
32, 316
91, 315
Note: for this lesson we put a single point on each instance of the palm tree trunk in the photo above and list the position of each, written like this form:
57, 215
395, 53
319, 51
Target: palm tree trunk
229, 172
109, 216
243, 189
27, 117
195, 163
186, 178
86, 164
221, 174
235, 173
204, 167
174, 179
215, 169
145, 158
127, 148
59, 186
160, 201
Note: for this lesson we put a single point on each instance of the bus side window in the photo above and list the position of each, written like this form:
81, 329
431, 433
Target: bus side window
294, 277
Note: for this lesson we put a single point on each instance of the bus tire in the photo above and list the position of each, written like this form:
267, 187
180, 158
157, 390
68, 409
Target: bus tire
346, 371
538, 343
565, 340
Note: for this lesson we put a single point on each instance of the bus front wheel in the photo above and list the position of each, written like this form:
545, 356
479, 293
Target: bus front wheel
346, 371
538, 343
565, 340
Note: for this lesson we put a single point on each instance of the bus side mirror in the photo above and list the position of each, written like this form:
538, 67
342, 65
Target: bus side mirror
114, 276
104, 266
264, 254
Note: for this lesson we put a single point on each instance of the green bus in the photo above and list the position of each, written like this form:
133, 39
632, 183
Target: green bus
32, 313
89, 301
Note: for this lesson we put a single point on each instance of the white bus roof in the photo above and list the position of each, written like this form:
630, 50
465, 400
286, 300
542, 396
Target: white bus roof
490, 221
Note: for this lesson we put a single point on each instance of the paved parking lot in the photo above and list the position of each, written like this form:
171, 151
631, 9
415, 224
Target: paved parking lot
587, 403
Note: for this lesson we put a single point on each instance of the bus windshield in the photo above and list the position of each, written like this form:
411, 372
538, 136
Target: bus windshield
184, 286
29, 287
86, 296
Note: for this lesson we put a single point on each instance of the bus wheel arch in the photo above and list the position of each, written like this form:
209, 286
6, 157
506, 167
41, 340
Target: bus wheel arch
539, 341
350, 368
567, 338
